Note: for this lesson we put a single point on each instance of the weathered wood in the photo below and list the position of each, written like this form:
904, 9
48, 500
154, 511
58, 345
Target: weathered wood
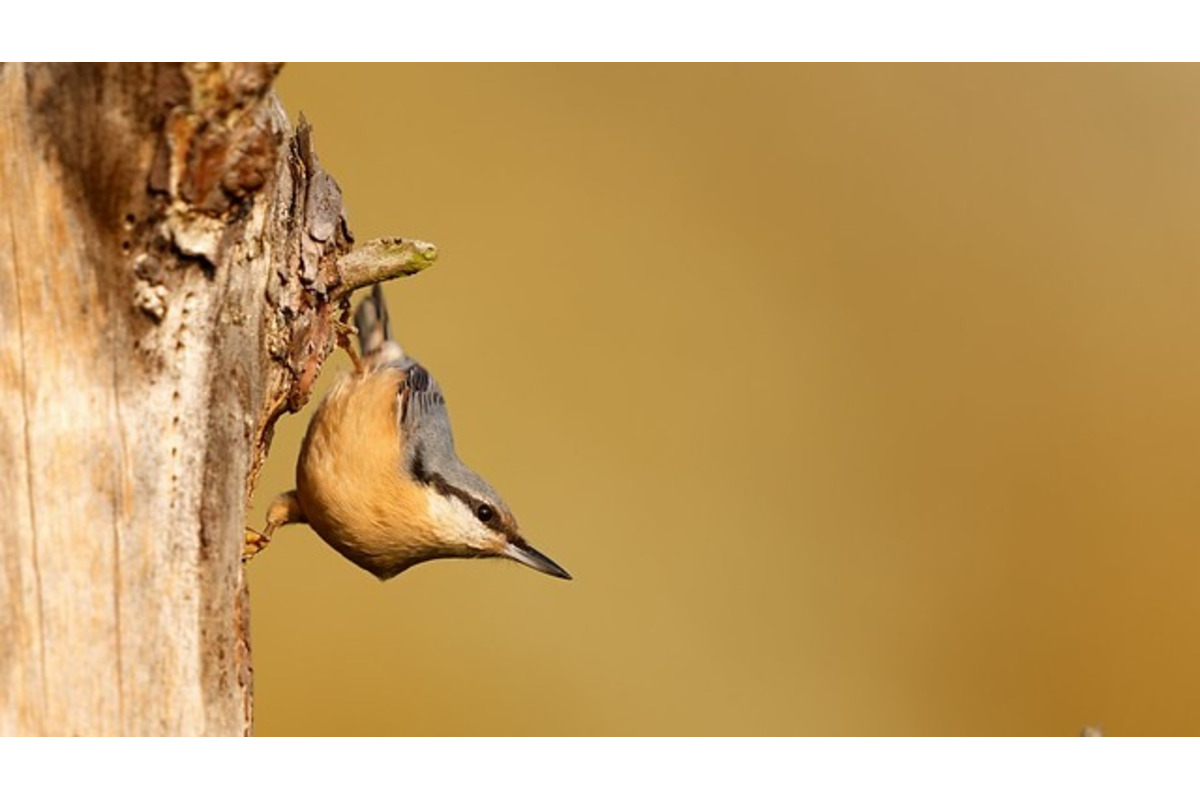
168, 285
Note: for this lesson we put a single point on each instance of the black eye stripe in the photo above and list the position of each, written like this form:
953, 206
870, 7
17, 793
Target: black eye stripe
493, 521
418, 467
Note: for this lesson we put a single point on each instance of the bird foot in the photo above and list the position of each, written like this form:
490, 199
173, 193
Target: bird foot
284, 510
255, 543
343, 331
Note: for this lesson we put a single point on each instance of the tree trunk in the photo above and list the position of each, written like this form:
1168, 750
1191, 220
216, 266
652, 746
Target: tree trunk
169, 280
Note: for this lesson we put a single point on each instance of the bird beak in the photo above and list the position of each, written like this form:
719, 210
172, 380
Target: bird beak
526, 555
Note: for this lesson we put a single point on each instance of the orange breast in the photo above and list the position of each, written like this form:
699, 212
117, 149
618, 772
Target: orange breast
350, 481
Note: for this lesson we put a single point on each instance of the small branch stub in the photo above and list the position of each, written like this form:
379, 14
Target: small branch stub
383, 259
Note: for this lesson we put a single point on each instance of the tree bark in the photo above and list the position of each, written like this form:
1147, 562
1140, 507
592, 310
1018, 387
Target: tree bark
169, 282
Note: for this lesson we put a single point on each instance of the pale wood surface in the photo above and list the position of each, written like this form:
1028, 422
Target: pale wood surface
168, 261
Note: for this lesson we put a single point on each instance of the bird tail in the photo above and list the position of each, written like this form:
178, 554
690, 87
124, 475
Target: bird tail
371, 319
374, 335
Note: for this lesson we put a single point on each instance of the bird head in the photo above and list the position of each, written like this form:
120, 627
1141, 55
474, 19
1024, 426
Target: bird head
469, 519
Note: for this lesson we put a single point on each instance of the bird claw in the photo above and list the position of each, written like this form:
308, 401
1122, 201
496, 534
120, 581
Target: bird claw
284, 510
255, 543
343, 331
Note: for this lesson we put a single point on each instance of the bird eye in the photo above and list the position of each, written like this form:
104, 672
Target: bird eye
485, 512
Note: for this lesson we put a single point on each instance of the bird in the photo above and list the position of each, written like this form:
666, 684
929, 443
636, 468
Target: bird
378, 477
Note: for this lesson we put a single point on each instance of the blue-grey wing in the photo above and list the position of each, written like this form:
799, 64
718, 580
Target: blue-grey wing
428, 443
424, 421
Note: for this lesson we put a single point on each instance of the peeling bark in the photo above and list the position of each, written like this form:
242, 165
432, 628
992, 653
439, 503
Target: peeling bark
169, 283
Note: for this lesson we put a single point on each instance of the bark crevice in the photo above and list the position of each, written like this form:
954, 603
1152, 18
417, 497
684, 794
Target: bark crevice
172, 272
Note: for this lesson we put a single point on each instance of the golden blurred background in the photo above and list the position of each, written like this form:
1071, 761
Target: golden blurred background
858, 400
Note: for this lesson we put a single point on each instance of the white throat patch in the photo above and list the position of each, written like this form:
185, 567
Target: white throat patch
455, 524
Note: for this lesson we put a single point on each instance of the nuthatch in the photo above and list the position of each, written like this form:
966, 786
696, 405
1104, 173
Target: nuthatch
378, 477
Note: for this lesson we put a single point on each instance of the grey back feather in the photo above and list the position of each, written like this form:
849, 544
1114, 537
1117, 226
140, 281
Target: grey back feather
428, 438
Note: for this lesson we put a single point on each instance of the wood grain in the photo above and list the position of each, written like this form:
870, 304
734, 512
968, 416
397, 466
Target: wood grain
168, 249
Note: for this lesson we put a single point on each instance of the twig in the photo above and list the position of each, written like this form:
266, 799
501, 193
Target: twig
383, 259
